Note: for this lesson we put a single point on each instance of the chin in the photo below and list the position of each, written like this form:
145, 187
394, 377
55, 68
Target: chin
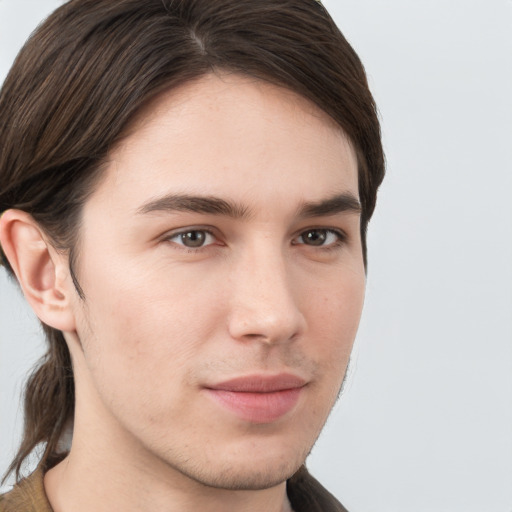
243, 472
247, 478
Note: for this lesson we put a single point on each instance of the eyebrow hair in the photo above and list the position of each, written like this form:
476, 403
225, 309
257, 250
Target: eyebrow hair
196, 204
345, 202
340, 203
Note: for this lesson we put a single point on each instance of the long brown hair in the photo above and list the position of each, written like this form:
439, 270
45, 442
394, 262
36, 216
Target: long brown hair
94, 65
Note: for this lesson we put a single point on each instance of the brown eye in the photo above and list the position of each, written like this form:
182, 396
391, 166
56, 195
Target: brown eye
193, 239
319, 237
314, 237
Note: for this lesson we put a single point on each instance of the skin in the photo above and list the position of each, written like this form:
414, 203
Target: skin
161, 321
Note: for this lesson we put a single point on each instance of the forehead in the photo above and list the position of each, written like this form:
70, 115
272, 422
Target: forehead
233, 136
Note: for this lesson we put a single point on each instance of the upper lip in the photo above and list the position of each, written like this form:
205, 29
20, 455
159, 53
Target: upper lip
260, 383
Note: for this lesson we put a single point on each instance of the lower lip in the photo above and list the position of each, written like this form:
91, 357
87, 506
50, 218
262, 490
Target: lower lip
257, 407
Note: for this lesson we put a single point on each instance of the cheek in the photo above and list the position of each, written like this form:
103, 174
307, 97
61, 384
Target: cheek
334, 314
141, 327
335, 309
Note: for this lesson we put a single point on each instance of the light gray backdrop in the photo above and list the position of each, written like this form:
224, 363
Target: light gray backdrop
426, 422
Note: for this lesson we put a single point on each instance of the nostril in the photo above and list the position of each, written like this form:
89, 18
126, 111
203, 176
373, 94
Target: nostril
265, 340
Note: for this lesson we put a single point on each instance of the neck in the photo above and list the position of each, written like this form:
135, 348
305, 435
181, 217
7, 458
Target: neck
109, 472
75, 486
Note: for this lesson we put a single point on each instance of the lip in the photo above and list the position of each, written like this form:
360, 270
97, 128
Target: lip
258, 398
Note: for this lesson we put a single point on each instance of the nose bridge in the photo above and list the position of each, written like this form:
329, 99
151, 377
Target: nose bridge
264, 301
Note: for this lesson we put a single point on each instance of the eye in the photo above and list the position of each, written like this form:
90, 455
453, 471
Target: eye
193, 238
320, 237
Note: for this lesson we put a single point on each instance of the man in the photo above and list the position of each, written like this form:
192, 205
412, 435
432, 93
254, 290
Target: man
185, 189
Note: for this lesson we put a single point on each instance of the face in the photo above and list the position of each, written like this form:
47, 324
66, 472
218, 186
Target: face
221, 262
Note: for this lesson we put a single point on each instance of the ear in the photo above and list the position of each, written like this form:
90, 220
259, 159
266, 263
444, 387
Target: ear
42, 272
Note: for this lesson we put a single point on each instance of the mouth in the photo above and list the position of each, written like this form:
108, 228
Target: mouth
258, 398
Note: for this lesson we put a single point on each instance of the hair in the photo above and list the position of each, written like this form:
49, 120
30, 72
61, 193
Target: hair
94, 65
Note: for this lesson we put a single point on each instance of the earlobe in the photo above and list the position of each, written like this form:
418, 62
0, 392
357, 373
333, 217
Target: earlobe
40, 269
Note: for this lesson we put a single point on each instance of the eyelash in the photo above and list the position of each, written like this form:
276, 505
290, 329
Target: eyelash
170, 238
340, 235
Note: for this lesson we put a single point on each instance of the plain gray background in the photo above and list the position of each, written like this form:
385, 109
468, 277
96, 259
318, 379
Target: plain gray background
425, 424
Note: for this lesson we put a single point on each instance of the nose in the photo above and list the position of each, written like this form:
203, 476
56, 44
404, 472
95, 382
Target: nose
265, 300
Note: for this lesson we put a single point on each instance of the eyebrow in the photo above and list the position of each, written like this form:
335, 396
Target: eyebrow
340, 203
196, 204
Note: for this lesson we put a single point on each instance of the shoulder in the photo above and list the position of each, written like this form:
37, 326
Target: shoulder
307, 494
26, 496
